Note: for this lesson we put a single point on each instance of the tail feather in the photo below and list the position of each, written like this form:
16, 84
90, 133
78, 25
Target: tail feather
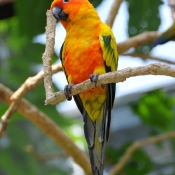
101, 124
95, 134
89, 129
96, 154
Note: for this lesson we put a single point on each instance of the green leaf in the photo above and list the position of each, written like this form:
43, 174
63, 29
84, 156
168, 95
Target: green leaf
32, 16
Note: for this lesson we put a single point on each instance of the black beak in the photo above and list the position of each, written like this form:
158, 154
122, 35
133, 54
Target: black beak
59, 14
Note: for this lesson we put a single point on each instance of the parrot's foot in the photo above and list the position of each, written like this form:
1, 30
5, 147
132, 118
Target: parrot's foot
94, 78
67, 91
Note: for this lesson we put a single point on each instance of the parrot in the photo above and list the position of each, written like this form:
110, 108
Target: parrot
166, 36
89, 50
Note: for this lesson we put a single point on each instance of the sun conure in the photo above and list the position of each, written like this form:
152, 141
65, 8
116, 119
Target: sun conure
89, 49
166, 36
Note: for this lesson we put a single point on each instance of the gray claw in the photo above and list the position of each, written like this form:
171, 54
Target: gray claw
94, 78
67, 91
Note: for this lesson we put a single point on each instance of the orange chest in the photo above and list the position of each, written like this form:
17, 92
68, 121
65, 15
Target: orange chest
80, 58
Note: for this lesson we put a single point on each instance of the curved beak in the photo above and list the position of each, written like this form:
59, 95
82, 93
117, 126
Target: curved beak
59, 14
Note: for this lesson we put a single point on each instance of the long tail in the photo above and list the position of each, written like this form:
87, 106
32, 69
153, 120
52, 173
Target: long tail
95, 134
96, 154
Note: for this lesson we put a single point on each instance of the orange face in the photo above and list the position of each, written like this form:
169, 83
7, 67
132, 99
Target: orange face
67, 10
64, 4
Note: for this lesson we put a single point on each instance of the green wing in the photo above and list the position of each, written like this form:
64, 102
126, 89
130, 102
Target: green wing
109, 47
110, 56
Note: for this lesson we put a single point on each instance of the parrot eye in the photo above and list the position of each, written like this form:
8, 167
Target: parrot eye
66, 1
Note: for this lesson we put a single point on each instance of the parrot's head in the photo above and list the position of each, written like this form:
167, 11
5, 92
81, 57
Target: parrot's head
67, 10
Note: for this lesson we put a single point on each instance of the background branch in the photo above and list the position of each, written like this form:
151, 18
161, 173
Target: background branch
113, 12
115, 77
33, 82
136, 145
6, 117
147, 56
44, 123
29, 84
141, 39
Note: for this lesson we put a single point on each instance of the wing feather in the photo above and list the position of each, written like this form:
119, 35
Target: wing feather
110, 56
109, 48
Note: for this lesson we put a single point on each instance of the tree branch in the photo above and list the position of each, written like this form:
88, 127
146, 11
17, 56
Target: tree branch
33, 82
6, 117
147, 56
136, 145
141, 39
43, 122
115, 77
28, 85
113, 12
49, 51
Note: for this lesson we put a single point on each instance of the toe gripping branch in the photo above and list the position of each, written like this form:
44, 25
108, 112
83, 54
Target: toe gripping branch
67, 91
94, 79
68, 87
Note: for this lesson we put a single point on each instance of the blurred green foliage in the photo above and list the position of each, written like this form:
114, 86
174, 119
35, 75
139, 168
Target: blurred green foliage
20, 58
139, 163
143, 16
155, 108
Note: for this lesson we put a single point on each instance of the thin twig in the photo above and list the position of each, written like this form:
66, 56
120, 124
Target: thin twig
113, 12
33, 82
147, 56
136, 145
115, 77
6, 117
49, 127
